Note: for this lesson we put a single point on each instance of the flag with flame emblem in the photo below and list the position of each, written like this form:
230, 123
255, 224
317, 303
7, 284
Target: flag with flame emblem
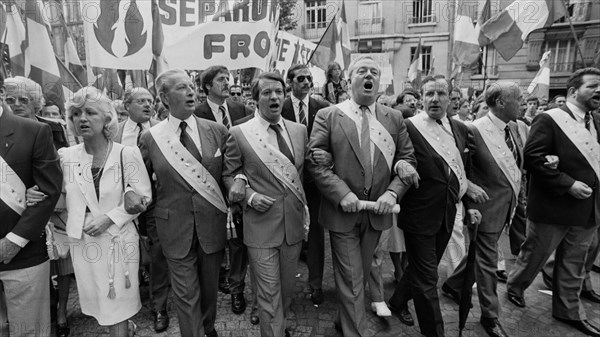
120, 36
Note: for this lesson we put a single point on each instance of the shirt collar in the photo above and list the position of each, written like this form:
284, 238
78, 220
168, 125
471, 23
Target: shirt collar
131, 125
296, 101
265, 124
579, 114
356, 107
497, 121
191, 122
214, 106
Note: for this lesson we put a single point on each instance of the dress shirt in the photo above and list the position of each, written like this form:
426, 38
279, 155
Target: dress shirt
214, 107
296, 105
446, 124
580, 118
497, 122
130, 132
191, 129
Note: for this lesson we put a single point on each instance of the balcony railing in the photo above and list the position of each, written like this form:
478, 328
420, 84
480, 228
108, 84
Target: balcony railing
564, 67
369, 26
313, 31
423, 19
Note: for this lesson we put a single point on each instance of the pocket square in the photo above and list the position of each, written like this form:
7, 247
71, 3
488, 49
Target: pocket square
218, 153
466, 150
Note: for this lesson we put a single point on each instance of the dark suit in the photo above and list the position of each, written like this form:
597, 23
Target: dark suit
354, 236
27, 147
557, 220
191, 230
238, 254
427, 218
315, 256
273, 237
495, 214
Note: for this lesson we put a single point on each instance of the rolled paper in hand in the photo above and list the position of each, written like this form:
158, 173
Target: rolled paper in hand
364, 205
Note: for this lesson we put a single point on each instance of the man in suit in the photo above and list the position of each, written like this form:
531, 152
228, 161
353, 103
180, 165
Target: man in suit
185, 154
215, 83
370, 146
274, 201
139, 104
302, 108
27, 158
496, 168
563, 205
428, 209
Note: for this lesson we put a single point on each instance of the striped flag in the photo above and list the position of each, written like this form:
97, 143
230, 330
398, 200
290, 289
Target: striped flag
72, 60
44, 69
540, 85
508, 29
346, 47
326, 48
466, 45
159, 62
484, 16
16, 40
416, 66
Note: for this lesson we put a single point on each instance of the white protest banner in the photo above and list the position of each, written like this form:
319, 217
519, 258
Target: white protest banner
197, 34
290, 50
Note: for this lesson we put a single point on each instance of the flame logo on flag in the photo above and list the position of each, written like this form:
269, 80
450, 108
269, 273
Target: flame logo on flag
119, 28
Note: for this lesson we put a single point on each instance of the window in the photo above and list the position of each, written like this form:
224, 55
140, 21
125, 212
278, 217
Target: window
370, 20
425, 58
316, 14
562, 57
422, 12
489, 62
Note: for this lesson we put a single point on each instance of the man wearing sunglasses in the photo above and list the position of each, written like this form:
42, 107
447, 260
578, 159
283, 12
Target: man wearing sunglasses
302, 108
235, 94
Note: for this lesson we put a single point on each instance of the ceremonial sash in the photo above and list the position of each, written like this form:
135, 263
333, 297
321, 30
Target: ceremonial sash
378, 134
445, 145
13, 189
579, 136
275, 161
494, 140
188, 167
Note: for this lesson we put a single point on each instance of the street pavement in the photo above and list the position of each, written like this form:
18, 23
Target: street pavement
307, 320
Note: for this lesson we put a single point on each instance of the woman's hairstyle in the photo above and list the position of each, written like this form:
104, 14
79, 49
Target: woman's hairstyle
94, 98
330, 67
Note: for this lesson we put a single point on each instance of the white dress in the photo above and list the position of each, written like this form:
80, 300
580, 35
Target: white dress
113, 256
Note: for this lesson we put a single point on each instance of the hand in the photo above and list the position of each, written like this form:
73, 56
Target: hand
473, 217
350, 203
477, 193
580, 190
237, 192
8, 250
261, 202
34, 196
98, 226
407, 174
134, 203
385, 203
551, 162
322, 158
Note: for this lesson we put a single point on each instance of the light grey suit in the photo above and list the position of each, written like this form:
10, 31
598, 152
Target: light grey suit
274, 237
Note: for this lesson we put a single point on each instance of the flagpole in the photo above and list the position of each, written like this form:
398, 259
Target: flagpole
2, 52
574, 34
321, 39
73, 77
485, 63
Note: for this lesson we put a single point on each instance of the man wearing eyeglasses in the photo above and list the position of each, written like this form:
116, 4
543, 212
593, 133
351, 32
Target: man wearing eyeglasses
139, 104
302, 108
235, 94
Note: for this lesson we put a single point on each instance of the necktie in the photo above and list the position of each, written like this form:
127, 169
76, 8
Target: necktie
301, 114
439, 121
510, 144
587, 119
140, 130
281, 142
365, 147
225, 118
188, 143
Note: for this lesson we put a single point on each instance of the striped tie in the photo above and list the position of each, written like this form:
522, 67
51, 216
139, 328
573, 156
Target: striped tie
225, 118
365, 146
140, 130
301, 114
510, 144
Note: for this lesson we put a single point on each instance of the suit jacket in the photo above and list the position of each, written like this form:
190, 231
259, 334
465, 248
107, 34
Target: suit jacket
283, 220
59, 134
81, 194
548, 200
313, 106
485, 172
433, 204
336, 133
119, 137
181, 212
27, 147
236, 111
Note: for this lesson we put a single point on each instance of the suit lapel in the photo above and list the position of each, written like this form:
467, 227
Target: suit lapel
383, 118
349, 128
596, 118
6, 134
83, 175
312, 110
206, 135
297, 141
206, 112
288, 110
